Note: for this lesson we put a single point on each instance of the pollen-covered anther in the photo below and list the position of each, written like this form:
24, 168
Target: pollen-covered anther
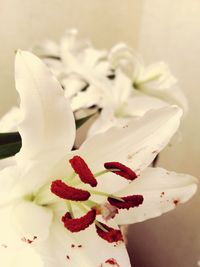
120, 169
126, 202
107, 233
82, 169
62, 190
79, 224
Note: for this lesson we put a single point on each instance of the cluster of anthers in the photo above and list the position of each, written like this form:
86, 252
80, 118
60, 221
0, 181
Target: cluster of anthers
81, 198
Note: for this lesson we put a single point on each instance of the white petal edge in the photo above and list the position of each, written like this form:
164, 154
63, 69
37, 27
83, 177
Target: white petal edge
162, 191
48, 122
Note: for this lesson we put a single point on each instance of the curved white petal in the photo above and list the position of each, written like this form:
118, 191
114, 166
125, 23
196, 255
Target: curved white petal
71, 47
85, 249
120, 91
20, 256
135, 145
91, 96
162, 191
46, 48
14, 250
158, 81
123, 57
10, 187
172, 95
92, 57
105, 121
32, 220
48, 124
7, 162
73, 84
139, 104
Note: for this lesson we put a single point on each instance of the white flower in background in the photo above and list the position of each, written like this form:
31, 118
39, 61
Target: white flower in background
155, 80
116, 81
60, 210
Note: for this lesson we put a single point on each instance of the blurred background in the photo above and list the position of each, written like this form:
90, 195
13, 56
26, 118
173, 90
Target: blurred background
166, 30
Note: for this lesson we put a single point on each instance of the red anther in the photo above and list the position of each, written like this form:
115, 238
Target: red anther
120, 169
111, 235
127, 202
82, 169
65, 191
79, 224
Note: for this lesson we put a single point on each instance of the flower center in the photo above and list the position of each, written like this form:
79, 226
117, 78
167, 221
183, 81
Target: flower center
77, 198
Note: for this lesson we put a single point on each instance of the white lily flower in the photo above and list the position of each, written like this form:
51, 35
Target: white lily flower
92, 79
155, 80
53, 203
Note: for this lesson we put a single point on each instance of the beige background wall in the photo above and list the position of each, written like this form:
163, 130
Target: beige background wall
162, 30
23, 22
170, 30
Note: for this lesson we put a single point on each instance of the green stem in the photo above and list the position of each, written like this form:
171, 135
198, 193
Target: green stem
69, 207
100, 226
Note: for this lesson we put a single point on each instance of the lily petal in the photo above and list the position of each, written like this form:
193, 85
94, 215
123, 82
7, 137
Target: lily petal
31, 220
9, 180
104, 121
80, 249
172, 95
7, 162
139, 104
135, 145
48, 123
22, 256
162, 191
14, 252
92, 96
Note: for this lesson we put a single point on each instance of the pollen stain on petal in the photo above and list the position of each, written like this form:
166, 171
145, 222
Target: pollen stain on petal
162, 194
28, 241
176, 202
112, 262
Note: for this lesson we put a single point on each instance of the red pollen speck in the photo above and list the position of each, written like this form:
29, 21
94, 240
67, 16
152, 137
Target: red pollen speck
79, 224
162, 194
28, 241
82, 169
176, 202
121, 170
128, 202
65, 191
112, 262
111, 235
